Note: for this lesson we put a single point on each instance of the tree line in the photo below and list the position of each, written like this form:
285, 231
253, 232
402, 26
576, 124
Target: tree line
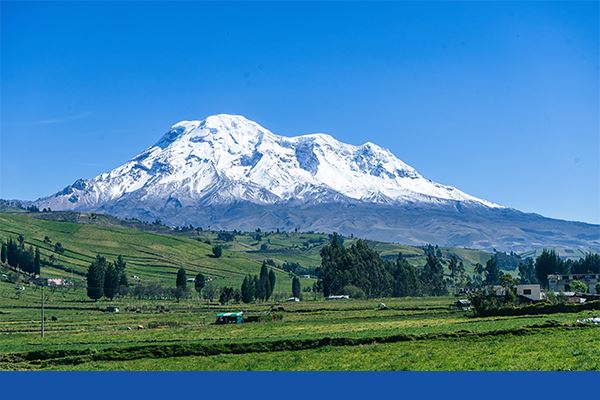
106, 279
360, 271
17, 256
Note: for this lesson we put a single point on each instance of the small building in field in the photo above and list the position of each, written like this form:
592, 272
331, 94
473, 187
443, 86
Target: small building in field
462, 304
531, 292
53, 282
562, 283
338, 297
230, 318
293, 299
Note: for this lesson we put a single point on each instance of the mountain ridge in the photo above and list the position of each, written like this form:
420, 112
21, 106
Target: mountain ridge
227, 170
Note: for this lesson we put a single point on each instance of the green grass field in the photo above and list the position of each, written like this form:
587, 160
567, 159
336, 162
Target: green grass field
409, 334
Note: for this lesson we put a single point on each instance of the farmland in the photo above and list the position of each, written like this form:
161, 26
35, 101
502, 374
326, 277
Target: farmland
163, 334
411, 333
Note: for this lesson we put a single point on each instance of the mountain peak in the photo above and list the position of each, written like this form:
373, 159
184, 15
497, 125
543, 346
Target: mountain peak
227, 158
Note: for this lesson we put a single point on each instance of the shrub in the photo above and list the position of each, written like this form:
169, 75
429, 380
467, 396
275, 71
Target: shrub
217, 251
354, 292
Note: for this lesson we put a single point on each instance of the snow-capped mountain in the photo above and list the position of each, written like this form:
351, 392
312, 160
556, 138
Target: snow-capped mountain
229, 172
227, 158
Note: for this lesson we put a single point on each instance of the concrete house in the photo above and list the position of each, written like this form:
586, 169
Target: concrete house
562, 283
531, 292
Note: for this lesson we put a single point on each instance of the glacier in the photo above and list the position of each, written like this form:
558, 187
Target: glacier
228, 172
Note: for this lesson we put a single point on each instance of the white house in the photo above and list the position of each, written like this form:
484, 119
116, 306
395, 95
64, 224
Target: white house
531, 292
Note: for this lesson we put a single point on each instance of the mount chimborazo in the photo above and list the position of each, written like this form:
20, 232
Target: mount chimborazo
226, 172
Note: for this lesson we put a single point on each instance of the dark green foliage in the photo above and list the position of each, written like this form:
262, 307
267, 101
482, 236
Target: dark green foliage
548, 263
297, 269
226, 295
95, 278
3, 251
19, 257
37, 262
247, 290
358, 265
121, 265
578, 286
533, 309
263, 283
226, 236
272, 281
58, 248
181, 281
507, 261
111, 281
587, 265
492, 272
199, 282
527, 272
432, 277
181, 292
296, 289
406, 278
217, 251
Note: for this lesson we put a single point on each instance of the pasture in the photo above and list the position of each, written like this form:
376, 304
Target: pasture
409, 334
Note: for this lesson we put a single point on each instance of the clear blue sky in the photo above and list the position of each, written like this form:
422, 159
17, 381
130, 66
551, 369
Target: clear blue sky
498, 99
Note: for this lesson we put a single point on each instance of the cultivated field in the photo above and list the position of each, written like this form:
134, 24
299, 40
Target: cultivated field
411, 334
406, 334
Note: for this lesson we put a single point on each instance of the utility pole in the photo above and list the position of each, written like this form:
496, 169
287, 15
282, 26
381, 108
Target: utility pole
43, 311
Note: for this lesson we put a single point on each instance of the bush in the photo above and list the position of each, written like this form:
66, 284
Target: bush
217, 251
354, 292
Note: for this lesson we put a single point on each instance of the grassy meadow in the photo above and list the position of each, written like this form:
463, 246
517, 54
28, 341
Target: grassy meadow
406, 334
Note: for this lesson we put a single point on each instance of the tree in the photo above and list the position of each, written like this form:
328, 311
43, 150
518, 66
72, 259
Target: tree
548, 263
590, 264
47, 240
296, 290
263, 283
58, 248
245, 290
3, 251
111, 281
209, 291
432, 277
21, 240
358, 265
527, 272
507, 281
180, 292
598, 288
37, 262
95, 278
406, 278
492, 272
272, 281
199, 283
217, 251
578, 286
121, 265
181, 279
226, 295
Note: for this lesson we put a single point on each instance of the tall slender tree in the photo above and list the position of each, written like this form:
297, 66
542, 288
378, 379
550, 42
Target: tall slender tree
199, 283
272, 281
111, 281
296, 289
432, 277
181, 281
492, 272
95, 278
37, 262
